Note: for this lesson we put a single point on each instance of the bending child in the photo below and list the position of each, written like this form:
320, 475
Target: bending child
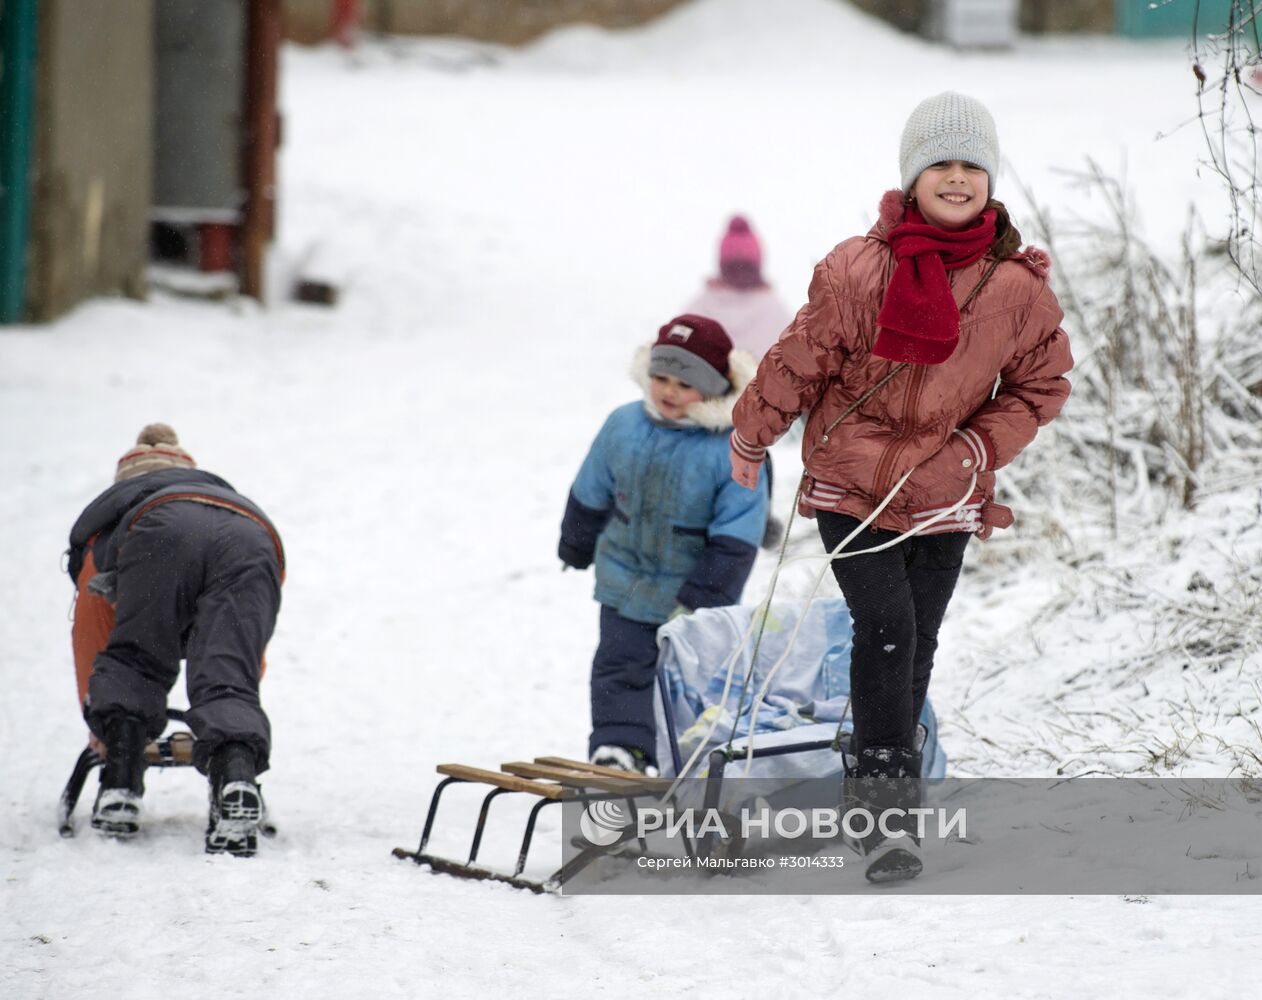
172, 563
655, 506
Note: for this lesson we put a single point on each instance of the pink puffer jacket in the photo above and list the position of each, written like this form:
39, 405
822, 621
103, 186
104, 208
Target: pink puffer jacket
973, 413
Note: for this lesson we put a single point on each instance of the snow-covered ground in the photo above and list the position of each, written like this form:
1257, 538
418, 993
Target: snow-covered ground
509, 226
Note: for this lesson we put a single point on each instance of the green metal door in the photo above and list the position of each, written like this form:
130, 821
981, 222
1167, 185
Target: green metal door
1174, 18
18, 33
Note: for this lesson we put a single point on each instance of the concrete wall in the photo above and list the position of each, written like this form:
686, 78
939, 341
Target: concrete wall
93, 153
906, 15
1034, 16
1066, 16
511, 22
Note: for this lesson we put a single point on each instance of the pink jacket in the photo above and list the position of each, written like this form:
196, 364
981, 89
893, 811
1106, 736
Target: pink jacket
972, 414
752, 317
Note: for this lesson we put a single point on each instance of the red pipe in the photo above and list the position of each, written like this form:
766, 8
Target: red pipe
345, 27
216, 246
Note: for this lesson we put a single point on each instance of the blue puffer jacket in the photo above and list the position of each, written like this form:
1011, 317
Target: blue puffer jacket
657, 509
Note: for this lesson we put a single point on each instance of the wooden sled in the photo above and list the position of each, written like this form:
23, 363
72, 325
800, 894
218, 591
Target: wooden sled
172, 750
550, 780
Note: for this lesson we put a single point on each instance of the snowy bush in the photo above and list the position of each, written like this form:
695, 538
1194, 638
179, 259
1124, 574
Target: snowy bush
1227, 64
1166, 404
1146, 632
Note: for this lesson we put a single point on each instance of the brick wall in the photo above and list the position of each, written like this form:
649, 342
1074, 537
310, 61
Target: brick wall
511, 22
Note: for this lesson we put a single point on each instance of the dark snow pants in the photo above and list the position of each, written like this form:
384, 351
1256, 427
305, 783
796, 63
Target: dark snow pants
202, 583
897, 599
624, 671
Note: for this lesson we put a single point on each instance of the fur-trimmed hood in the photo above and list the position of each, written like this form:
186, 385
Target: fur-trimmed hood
1007, 239
713, 414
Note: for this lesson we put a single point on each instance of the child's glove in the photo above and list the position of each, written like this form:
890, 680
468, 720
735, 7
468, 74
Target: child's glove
104, 585
744, 471
572, 556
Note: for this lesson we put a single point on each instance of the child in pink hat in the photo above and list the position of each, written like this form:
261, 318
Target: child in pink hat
739, 298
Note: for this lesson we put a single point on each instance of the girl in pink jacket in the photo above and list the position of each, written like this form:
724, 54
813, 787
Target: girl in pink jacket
749, 309
927, 356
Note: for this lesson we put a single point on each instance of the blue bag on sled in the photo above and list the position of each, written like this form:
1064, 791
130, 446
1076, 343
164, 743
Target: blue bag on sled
806, 701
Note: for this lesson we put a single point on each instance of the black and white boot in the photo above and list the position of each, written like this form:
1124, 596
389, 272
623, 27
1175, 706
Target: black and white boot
881, 779
630, 759
236, 806
116, 812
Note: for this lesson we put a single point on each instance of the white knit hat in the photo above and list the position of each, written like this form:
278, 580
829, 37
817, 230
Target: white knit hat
948, 127
157, 447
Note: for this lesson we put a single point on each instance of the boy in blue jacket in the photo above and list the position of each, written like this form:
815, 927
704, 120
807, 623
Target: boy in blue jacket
655, 507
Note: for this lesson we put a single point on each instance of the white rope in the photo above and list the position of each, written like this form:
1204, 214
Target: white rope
764, 607
839, 553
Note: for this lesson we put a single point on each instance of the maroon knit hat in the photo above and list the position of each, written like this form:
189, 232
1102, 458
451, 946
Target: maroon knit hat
693, 349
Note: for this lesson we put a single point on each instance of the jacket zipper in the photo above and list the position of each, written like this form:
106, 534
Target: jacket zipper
885, 467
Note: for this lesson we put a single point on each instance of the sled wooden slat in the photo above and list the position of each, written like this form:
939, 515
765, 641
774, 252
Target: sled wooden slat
582, 765
621, 782
575, 779
509, 782
175, 751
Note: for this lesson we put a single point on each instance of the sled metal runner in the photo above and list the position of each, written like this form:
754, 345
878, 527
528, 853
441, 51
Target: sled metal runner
173, 750
551, 780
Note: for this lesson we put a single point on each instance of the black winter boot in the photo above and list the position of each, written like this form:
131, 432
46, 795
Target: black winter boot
884, 779
235, 803
116, 811
633, 760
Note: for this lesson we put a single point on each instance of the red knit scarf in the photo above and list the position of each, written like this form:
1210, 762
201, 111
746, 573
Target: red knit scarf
919, 320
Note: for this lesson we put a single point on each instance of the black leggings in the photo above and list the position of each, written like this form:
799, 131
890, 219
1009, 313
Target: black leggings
897, 599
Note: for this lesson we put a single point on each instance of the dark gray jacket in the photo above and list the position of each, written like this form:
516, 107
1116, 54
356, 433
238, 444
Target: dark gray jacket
105, 522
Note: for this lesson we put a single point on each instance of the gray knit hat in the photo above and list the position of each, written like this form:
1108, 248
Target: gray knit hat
948, 127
